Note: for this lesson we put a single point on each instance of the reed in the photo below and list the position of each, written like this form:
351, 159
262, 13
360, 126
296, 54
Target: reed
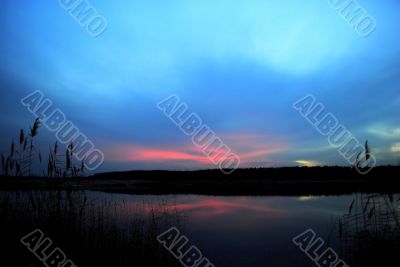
367, 156
19, 161
370, 231
33, 133
93, 230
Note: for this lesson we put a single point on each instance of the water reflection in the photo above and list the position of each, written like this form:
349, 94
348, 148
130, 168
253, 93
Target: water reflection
240, 231
235, 231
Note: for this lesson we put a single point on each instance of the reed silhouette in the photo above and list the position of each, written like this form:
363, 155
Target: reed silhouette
23, 158
91, 230
370, 231
20, 161
367, 156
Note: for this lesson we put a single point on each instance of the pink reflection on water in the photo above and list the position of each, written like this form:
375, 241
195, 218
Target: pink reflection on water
203, 207
207, 208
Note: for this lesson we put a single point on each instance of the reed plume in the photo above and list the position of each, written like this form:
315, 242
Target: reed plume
33, 132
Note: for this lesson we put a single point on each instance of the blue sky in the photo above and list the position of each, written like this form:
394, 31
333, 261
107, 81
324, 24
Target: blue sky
238, 64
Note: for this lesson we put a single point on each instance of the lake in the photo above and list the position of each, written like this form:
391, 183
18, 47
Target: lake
234, 231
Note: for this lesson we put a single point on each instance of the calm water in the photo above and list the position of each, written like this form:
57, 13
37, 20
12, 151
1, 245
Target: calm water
233, 231
246, 231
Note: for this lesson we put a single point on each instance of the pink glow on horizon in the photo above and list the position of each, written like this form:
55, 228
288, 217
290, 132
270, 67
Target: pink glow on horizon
131, 152
250, 147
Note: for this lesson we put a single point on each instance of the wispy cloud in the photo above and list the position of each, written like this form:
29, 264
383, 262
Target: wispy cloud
385, 132
251, 147
395, 148
308, 163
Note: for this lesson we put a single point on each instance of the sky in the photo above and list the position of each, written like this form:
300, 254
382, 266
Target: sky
239, 65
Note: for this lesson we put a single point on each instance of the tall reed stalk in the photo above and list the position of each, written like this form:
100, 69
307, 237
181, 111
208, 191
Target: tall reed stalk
33, 132
19, 160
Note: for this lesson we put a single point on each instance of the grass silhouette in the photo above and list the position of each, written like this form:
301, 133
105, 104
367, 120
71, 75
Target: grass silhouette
91, 230
369, 232
20, 161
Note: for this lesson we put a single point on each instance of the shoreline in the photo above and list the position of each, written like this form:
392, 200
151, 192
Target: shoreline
257, 182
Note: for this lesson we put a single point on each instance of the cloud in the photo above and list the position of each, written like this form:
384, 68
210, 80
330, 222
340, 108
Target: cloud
251, 147
395, 148
307, 198
308, 163
385, 132
239, 64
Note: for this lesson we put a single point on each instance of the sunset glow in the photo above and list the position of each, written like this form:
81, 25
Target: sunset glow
238, 65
